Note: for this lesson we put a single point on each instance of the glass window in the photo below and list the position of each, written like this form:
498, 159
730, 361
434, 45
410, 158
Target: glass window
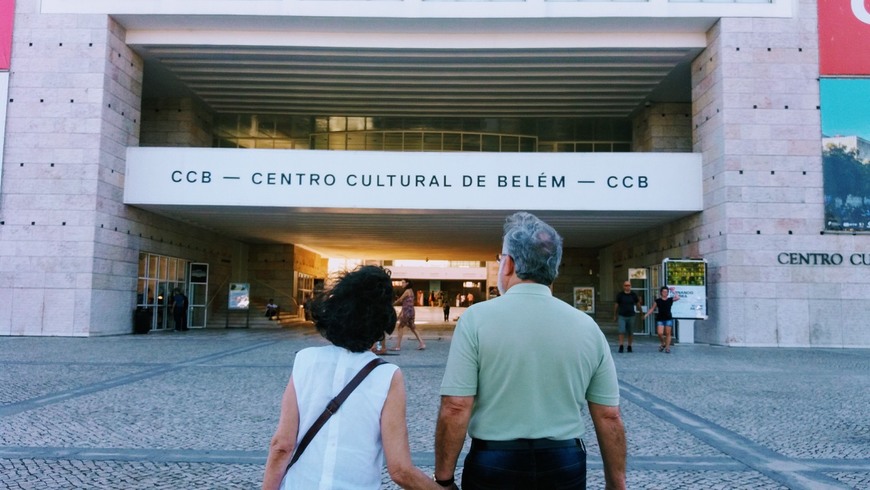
435, 134
356, 124
337, 124
320, 142
141, 296
491, 142
181, 271
452, 142
321, 125
510, 143
374, 141
300, 127
337, 141
393, 141
432, 141
415, 123
413, 142
471, 142
356, 141
527, 144
266, 126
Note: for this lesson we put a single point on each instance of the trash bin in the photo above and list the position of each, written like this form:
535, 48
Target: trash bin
142, 320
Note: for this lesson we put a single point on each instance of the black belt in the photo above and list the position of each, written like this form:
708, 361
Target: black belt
523, 444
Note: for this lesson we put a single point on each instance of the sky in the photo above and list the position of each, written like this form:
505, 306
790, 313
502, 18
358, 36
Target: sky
846, 107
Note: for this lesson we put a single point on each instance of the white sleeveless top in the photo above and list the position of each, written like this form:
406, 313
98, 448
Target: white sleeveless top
348, 452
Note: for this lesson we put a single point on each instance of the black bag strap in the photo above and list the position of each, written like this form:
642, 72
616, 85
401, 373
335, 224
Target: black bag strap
332, 407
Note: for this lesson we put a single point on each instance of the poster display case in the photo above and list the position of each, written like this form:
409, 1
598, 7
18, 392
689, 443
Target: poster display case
584, 299
239, 296
687, 278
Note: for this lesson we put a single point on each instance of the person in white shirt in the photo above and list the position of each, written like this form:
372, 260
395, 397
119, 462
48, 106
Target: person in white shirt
350, 449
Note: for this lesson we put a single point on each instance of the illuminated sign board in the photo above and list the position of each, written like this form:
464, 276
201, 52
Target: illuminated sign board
687, 278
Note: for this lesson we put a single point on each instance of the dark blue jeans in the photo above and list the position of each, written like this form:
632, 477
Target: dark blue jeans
560, 468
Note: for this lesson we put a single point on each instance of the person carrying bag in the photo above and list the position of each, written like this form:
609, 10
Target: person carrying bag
348, 447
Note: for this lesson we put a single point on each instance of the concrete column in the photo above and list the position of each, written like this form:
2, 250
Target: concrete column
68, 127
69, 247
756, 121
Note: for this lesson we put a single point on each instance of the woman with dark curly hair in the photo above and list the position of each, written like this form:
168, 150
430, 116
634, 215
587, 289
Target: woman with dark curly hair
407, 316
350, 449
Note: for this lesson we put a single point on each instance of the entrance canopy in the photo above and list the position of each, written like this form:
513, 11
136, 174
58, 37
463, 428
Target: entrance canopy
411, 205
417, 59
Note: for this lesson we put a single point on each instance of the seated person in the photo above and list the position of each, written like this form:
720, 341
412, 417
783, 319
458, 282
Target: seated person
271, 309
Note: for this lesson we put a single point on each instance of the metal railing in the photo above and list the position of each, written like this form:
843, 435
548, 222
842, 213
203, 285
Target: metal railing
423, 140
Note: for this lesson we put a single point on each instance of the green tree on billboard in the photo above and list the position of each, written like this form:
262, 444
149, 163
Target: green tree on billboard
847, 189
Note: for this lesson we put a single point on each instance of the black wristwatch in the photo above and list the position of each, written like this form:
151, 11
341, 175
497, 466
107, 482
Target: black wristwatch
444, 483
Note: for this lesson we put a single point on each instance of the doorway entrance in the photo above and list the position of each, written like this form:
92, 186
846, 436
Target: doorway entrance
641, 283
159, 277
197, 293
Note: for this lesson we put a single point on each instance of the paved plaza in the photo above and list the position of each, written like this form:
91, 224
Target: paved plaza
196, 410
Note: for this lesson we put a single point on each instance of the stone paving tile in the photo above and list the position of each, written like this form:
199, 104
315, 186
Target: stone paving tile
34, 379
647, 435
854, 480
196, 410
810, 415
115, 475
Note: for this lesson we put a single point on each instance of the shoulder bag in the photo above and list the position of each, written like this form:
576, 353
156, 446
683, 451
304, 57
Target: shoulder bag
331, 408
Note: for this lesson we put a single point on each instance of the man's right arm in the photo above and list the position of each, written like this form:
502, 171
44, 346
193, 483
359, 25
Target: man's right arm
450, 433
611, 442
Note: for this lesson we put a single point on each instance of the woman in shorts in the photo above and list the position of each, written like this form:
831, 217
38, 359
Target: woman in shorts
664, 319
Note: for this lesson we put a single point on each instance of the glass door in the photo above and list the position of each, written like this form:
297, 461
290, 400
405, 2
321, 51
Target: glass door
164, 312
159, 277
654, 284
640, 285
197, 314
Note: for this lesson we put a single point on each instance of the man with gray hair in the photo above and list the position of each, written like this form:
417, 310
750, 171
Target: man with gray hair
520, 368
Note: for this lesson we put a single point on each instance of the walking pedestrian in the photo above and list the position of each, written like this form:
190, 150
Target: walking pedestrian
519, 370
407, 316
370, 426
624, 311
664, 318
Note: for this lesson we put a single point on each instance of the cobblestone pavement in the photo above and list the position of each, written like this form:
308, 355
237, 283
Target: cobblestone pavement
196, 410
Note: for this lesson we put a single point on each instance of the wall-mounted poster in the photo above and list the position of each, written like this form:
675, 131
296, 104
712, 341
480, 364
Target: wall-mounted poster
687, 278
239, 298
844, 34
846, 152
584, 299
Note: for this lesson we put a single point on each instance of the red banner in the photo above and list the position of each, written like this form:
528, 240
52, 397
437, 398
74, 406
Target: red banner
7, 16
844, 37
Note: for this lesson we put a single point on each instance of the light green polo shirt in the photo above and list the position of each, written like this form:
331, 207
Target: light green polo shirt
532, 362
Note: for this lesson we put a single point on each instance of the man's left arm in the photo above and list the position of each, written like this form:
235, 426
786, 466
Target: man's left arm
611, 443
450, 432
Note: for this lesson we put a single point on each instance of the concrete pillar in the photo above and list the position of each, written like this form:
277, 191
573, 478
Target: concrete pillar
68, 127
756, 120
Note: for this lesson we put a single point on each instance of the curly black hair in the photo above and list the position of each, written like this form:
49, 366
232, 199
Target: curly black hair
357, 310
